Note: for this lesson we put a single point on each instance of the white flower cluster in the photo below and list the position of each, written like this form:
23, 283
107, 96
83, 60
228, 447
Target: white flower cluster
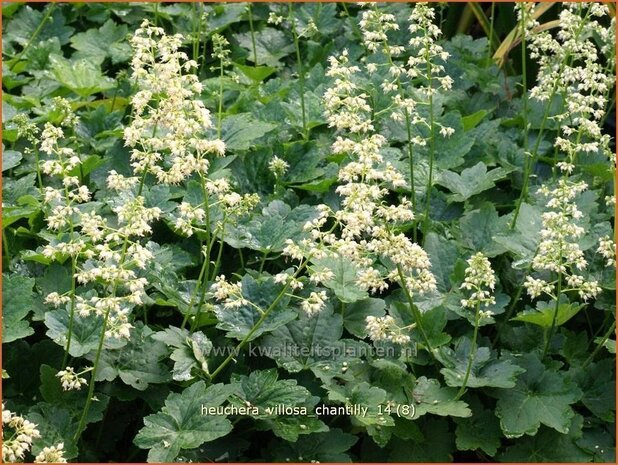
607, 249
386, 329
346, 108
366, 224
481, 280
71, 380
423, 65
61, 201
278, 167
188, 214
315, 303
229, 293
428, 50
167, 133
17, 436
570, 65
53, 454
559, 252
375, 25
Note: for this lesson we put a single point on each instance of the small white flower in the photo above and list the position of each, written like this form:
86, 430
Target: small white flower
314, 304
480, 279
70, 380
53, 454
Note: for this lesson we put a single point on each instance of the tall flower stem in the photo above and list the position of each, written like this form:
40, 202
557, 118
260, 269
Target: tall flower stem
197, 37
97, 357
33, 37
514, 301
301, 73
71, 312
531, 159
418, 319
200, 277
606, 336
204, 276
220, 106
411, 166
215, 270
472, 354
550, 333
432, 151
5, 244
250, 13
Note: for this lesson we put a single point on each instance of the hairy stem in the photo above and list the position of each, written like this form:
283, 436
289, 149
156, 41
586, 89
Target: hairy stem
415, 312
33, 37
71, 312
610, 331
250, 11
82, 422
477, 314
5, 244
301, 73
556, 307
432, 146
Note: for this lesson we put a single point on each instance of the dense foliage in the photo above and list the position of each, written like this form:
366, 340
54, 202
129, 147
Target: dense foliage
308, 232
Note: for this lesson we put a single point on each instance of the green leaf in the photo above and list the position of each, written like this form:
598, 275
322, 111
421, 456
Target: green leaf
138, 364
240, 132
598, 383
107, 41
429, 397
355, 315
541, 396
609, 344
270, 46
263, 390
544, 313
452, 149
549, 446
343, 283
22, 26
86, 331
37, 56
314, 111
471, 121
442, 255
83, 77
599, 443
256, 73
486, 371
366, 400
55, 424
522, 241
312, 343
239, 322
480, 431
329, 446
17, 303
180, 424
471, 181
436, 445
269, 231
323, 16
10, 159
190, 354
478, 228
